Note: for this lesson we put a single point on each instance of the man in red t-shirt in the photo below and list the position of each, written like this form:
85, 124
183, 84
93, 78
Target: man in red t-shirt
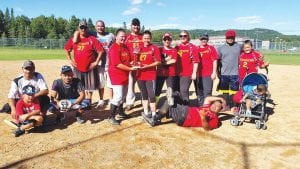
205, 116
134, 42
84, 61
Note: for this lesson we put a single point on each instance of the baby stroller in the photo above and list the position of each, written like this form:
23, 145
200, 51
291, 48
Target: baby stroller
258, 113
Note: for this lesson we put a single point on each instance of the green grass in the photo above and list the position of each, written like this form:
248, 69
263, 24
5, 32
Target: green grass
279, 58
33, 54
283, 58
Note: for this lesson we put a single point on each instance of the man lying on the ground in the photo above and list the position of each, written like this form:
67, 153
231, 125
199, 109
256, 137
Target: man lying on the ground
205, 116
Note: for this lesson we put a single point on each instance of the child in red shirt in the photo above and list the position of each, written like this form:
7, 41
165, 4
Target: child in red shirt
249, 61
28, 111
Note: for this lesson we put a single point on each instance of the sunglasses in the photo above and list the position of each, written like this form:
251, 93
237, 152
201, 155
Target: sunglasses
203, 39
183, 36
83, 27
167, 39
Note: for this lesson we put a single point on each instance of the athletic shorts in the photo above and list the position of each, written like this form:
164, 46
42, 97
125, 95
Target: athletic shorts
228, 84
178, 113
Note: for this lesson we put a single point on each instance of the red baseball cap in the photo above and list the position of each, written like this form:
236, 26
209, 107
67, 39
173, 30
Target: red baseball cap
167, 35
230, 33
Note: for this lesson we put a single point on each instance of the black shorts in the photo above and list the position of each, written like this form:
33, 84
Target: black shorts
178, 113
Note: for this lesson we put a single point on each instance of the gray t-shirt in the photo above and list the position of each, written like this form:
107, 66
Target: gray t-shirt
229, 57
68, 91
106, 41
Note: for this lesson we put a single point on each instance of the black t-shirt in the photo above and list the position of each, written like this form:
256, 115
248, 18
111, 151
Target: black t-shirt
68, 91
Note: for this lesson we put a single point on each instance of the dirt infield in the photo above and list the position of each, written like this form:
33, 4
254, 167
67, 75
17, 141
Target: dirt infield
97, 144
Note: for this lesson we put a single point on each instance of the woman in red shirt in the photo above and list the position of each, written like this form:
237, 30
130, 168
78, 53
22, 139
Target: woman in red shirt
207, 69
118, 71
187, 64
149, 58
167, 70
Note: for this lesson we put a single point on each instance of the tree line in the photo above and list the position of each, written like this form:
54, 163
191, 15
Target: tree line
50, 27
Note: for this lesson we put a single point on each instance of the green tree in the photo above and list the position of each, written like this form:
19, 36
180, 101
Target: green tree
22, 22
6, 22
91, 25
71, 26
38, 26
1, 22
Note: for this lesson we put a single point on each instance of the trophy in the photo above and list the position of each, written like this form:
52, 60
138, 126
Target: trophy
136, 52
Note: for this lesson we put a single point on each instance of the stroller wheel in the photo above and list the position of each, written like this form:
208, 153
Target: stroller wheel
234, 122
258, 124
264, 127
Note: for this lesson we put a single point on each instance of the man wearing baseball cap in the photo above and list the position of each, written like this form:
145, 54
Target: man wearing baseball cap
229, 54
29, 76
134, 42
67, 88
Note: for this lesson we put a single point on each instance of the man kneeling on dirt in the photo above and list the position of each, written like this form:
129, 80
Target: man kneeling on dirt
186, 116
67, 93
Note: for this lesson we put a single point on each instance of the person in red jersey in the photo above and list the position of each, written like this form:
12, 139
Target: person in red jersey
207, 69
205, 116
134, 42
250, 61
187, 63
28, 111
167, 70
84, 61
118, 70
149, 58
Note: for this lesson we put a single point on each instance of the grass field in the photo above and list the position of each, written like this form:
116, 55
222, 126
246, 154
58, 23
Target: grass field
41, 54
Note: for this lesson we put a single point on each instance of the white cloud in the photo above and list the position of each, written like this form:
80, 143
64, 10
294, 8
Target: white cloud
148, 1
131, 11
18, 9
136, 2
246, 20
164, 26
160, 4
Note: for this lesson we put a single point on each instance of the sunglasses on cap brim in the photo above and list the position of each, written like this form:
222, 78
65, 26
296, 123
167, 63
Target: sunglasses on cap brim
83, 27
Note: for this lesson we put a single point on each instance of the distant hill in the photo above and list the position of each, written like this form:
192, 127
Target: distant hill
260, 33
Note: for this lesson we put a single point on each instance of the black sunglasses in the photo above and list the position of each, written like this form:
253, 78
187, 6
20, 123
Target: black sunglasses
183, 36
83, 27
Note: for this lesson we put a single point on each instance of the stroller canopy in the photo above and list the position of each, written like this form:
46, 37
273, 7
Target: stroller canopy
252, 80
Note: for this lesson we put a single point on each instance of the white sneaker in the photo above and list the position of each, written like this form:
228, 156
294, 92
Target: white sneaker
100, 104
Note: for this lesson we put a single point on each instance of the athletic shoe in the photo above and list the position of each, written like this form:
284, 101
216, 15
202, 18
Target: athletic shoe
151, 120
100, 104
79, 118
123, 115
170, 96
113, 121
19, 132
128, 107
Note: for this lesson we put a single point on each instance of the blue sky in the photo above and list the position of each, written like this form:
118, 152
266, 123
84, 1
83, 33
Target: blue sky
279, 15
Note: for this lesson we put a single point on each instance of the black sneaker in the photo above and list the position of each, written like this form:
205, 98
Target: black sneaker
113, 121
19, 132
123, 115
151, 120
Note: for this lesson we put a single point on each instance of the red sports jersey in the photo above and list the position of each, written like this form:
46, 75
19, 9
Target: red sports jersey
24, 108
167, 70
187, 56
208, 55
118, 54
249, 63
193, 118
84, 51
134, 41
147, 56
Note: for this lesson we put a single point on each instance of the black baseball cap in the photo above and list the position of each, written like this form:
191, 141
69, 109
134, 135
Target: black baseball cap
203, 36
66, 69
28, 64
28, 89
135, 21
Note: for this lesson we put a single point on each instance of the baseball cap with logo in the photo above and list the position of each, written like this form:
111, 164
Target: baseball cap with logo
66, 69
203, 36
28, 89
28, 64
